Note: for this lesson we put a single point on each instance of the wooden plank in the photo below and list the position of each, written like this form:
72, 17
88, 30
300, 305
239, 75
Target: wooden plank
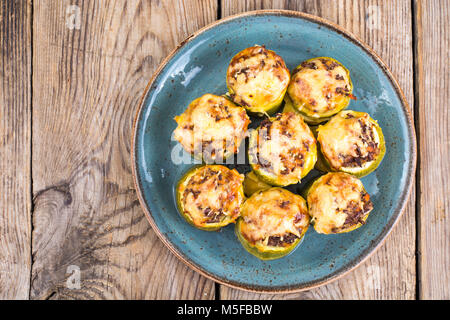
386, 27
92, 61
433, 87
15, 149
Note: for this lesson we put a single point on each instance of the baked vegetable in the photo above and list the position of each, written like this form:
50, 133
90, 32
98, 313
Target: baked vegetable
338, 203
257, 79
272, 223
211, 128
253, 184
350, 142
319, 88
282, 150
210, 196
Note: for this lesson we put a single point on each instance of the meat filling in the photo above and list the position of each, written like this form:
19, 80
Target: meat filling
274, 217
286, 239
371, 146
212, 194
355, 214
282, 147
349, 140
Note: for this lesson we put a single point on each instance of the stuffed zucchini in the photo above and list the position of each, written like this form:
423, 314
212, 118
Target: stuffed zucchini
211, 128
210, 197
282, 150
319, 88
257, 79
253, 184
272, 223
350, 142
338, 203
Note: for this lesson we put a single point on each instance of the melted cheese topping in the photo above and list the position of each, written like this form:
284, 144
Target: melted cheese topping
320, 87
349, 140
334, 199
275, 212
211, 126
211, 194
284, 145
257, 78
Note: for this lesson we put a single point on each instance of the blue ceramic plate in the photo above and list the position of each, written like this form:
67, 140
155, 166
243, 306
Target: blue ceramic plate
199, 66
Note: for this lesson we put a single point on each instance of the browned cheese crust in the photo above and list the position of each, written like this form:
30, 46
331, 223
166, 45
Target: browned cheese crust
320, 86
212, 194
257, 77
274, 217
283, 145
337, 202
212, 126
349, 140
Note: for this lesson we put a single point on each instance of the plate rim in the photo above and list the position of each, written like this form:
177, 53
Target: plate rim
404, 197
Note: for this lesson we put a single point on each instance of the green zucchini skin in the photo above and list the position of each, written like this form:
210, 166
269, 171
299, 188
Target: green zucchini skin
253, 184
289, 107
265, 250
267, 254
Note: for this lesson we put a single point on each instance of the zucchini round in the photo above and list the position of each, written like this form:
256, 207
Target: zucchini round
320, 88
282, 150
212, 128
350, 142
272, 223
257, 79
210, 197
338, 203
252, 184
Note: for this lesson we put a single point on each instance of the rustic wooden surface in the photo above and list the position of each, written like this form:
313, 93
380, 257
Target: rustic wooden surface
433, 97
68, 97
386, 28
86, 87
15, 149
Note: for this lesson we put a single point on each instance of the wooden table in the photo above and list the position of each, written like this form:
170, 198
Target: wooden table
72, 73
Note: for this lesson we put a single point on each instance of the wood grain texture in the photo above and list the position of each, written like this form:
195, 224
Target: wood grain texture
88, 80
386, 27
433, 91
15, 149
